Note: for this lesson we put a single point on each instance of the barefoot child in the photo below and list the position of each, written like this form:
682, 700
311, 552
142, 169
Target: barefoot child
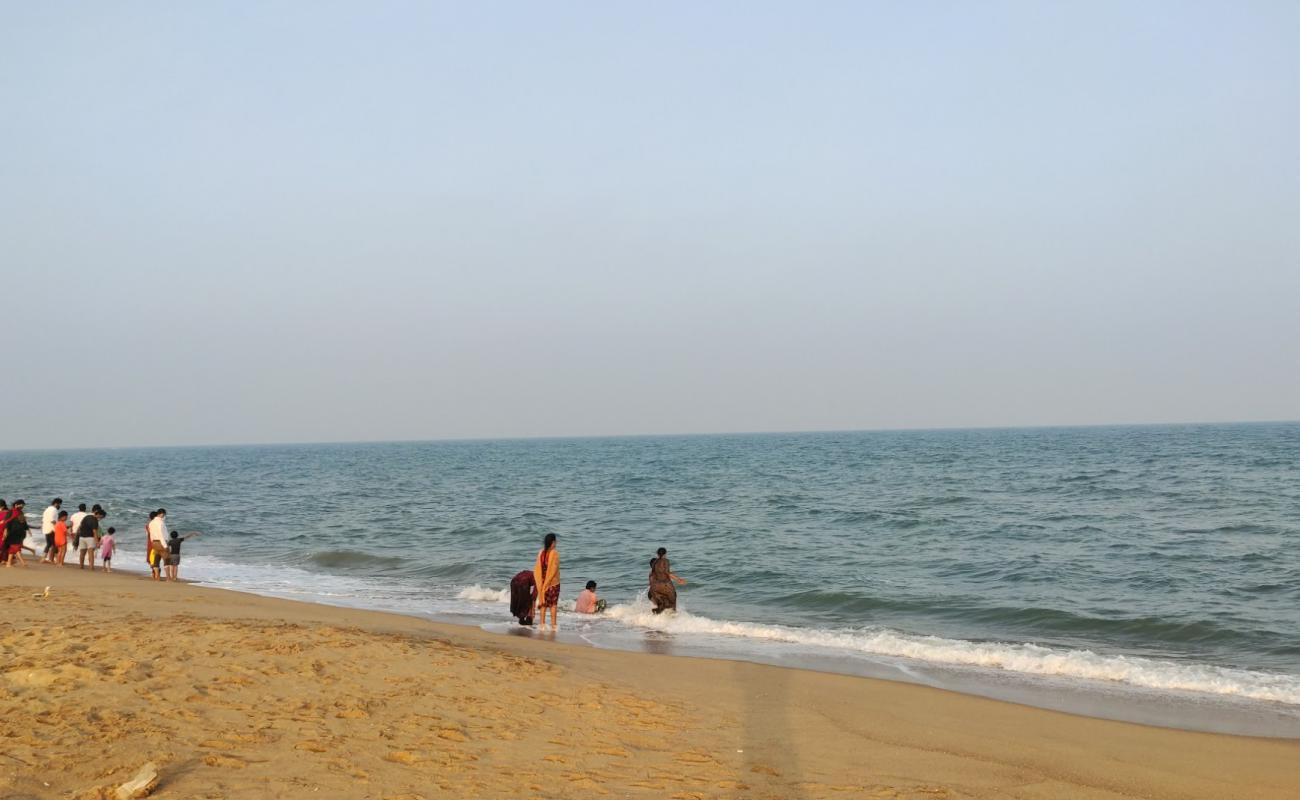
60, 539
174, 554
106, 549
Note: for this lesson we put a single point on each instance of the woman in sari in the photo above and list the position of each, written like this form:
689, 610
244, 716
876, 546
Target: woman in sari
523, 597
662, 591
546, 575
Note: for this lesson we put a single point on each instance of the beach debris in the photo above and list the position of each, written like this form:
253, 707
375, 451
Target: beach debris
42, 596
141, 785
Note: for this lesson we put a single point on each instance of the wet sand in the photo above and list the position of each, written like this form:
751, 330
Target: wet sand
235, 695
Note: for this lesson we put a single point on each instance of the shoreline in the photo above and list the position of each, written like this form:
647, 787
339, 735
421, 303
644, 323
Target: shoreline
1116, 701
408, 702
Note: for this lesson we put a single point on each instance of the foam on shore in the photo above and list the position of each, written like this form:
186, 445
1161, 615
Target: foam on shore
752, 639
1029, 659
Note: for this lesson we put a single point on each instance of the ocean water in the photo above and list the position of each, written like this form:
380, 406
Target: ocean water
1096, 569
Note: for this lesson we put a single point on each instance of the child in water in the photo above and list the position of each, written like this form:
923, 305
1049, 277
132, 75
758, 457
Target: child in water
174, 554
588, 603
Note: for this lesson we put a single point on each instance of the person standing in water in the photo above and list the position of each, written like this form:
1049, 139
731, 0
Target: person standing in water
662, 591
157, 530
174, 554
523, 596
546, 574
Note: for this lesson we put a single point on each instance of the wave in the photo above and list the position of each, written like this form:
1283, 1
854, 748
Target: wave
482, 594
1027, 659
929, 501
1144, 628
1090, 476
354, 559
1246, 527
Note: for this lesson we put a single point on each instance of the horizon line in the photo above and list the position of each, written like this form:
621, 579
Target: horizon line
557, 437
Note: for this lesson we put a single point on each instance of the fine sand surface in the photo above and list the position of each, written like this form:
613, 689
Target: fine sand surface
238, 696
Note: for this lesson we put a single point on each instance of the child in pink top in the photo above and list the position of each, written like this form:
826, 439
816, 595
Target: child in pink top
588, 603
106, 549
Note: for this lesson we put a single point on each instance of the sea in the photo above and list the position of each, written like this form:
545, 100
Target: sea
1144, 573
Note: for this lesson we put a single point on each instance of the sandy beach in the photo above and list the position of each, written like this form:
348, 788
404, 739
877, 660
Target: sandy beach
235, 695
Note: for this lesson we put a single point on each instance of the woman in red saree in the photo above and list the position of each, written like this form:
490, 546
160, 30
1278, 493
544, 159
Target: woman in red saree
546, 574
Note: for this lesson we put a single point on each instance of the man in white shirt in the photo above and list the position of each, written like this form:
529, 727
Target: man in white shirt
48, 519
74, 524
157, 528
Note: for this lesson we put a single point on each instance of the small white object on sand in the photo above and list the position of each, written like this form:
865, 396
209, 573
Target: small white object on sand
141, 785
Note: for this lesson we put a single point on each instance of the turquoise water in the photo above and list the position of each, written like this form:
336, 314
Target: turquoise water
1149, 559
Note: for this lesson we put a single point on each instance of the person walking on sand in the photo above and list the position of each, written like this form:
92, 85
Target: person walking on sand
6, 514
49, 518
546, 573
157, 530
88, 537
16, 535
662, 591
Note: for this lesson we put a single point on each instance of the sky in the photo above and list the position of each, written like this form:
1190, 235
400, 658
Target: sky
314, 221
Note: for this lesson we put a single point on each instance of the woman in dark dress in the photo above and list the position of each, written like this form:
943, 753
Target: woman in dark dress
15, 535
663, 594
523, 597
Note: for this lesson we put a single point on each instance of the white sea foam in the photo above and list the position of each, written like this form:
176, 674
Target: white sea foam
483, 594
881, 643
1027, 659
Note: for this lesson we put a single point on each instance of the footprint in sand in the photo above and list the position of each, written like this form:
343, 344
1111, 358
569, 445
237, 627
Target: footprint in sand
403, 757
696, 758
616, 752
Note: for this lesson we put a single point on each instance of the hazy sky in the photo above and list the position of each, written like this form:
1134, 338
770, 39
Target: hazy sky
248, 222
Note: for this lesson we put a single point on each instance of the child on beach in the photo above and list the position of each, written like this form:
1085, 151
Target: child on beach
174, 554
106, 549
60, 539
588, 602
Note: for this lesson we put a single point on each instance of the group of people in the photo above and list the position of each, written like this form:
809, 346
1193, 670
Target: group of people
83, 532
535, 592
